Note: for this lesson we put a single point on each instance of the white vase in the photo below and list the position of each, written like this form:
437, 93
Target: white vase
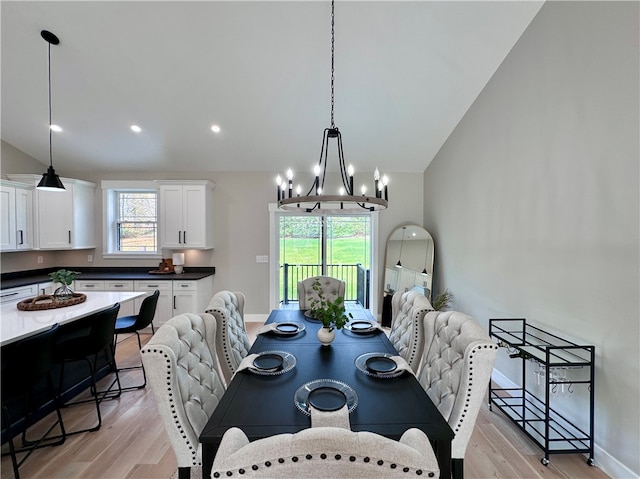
326, 335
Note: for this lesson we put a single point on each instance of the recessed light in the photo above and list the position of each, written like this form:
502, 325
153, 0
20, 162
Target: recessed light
215, 128
136, 128
55, 128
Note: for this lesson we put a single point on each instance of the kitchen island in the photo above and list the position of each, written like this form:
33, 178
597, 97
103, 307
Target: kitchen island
16, 324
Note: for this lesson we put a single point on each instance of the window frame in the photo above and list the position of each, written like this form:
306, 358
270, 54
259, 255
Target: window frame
110, 190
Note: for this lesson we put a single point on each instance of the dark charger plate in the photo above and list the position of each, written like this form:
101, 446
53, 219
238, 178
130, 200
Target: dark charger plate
327, 398
268, 362
381, 365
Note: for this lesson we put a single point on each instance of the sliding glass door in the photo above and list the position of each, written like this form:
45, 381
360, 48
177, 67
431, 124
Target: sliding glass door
331, 245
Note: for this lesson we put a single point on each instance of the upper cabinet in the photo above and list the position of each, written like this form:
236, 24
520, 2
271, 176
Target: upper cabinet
16, 204
186, 209
63, 219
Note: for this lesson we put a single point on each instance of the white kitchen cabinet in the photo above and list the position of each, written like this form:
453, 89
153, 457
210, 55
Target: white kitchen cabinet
62, 219
18, 293
164, 308
47, 288
87, 285
185, 215
16, 229
128, 308
192, 296
185, 297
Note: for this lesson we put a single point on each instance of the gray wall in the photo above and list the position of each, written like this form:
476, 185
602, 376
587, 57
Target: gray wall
533, 202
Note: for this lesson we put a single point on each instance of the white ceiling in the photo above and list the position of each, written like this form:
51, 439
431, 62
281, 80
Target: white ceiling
405, 74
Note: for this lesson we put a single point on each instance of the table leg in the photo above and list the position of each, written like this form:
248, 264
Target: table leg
208, 454
443, 454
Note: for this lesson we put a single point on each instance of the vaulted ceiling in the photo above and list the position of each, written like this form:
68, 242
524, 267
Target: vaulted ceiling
405, 74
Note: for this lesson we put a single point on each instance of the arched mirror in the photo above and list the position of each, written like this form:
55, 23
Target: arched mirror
408, 264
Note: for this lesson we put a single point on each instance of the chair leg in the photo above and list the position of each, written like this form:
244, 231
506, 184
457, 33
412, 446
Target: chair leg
29, 446
96, 396
184, 473
12, 449
45, 440
144, 374
457, 468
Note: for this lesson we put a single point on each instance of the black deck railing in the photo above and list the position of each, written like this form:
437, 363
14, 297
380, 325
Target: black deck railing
291, 274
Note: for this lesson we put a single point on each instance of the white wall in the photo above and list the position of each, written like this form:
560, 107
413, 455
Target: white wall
241, 225
533, 202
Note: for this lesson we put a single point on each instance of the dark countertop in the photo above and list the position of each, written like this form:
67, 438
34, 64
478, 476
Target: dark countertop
23, 278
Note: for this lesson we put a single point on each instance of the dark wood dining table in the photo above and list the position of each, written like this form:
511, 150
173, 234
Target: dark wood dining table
263, 406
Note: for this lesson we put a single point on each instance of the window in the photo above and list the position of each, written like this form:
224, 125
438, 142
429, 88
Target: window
130, 219
136, 222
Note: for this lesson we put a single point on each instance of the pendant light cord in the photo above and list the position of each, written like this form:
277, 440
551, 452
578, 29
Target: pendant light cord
50, 130
333, 22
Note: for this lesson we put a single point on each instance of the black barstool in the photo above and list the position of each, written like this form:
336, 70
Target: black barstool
136, 323
25, 365
84, 340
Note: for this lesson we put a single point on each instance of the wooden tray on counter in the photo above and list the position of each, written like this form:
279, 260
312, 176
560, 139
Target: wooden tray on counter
48, 301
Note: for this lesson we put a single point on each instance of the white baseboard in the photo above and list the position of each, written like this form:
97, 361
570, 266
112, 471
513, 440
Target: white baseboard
255, 318
605, 461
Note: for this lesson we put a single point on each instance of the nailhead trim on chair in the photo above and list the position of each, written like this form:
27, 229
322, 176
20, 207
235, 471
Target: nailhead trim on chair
468, 396
337, 457
232, 342
172, 405
407, 332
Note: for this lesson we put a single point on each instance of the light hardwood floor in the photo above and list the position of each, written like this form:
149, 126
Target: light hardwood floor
132, 443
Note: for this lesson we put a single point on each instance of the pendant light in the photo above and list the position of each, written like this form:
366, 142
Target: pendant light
344, 200
50, 180
426, 255
399, 264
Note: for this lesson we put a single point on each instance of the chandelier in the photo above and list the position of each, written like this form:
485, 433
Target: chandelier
344, 200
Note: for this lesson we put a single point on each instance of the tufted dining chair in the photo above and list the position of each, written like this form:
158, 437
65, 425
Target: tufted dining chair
332, 288
323, 452
407, 326
182, 372
455, 370
232, 342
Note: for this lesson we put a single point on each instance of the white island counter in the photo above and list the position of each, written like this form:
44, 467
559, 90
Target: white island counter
16, 324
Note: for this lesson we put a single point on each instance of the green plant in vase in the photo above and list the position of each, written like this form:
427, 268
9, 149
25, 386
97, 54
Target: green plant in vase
331, 313
65, 277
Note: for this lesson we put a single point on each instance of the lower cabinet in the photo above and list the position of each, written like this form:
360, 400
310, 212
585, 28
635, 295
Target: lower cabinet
18, 293
83, 285
192, 296
164, 309
128, 308
46, 288
176, 297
